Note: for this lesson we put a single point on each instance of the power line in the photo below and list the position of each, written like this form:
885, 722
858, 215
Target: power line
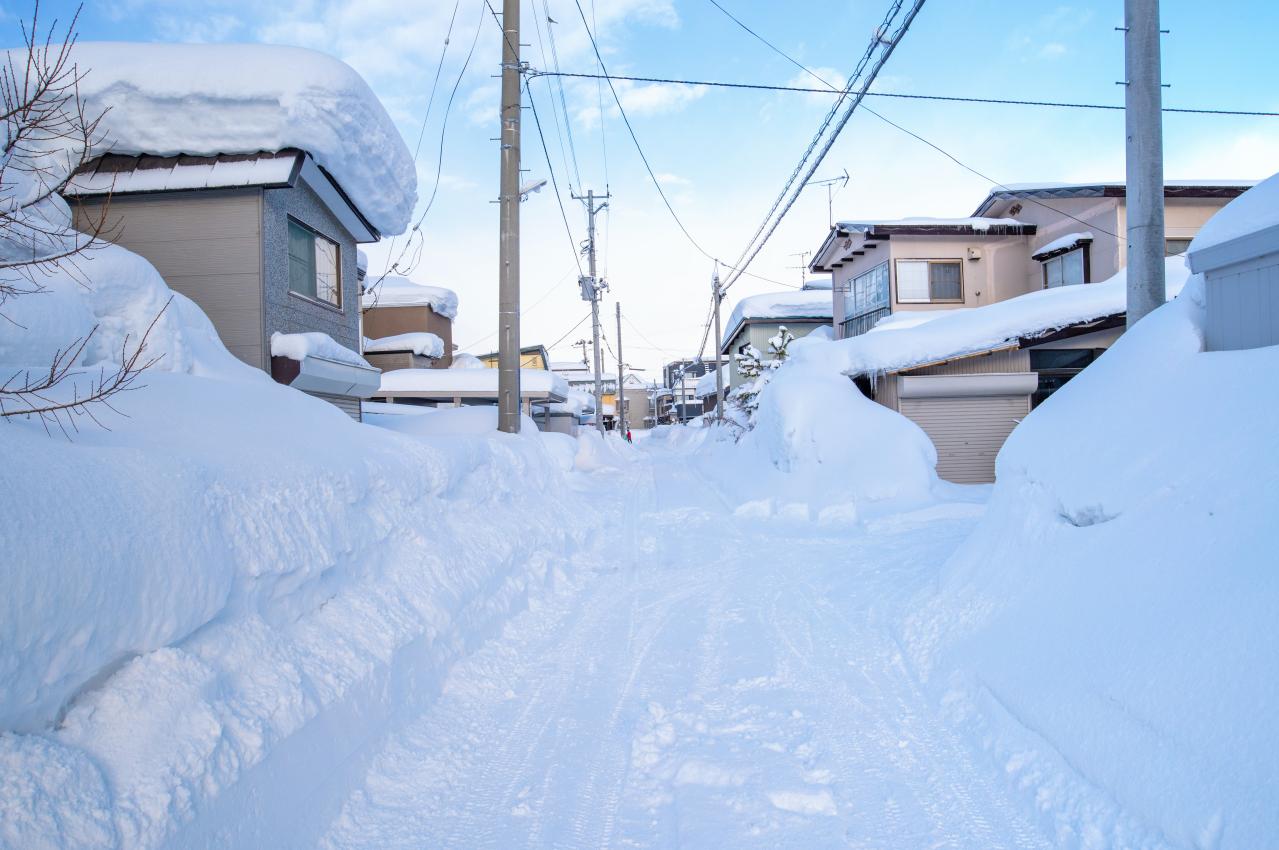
627, 121
554, 183
898, 95
569, 332
555, 114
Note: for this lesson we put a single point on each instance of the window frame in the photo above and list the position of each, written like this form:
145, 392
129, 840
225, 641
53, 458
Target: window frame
1086, 271
340, 304
931, 261
1186, 239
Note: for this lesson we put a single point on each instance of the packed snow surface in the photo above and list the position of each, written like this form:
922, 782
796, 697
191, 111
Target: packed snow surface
394, 291
959, 333
206, 99
1253, 211
795, 304
419, 342
300, 346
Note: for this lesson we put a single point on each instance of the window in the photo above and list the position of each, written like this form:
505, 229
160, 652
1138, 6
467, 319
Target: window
867, 292
315, 269
1056, 366
925, 281
1172, 247
1065, 269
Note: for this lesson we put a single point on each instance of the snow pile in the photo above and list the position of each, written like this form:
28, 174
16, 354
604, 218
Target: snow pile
1111, 621
1253, 211
420, 343
211, 608
706, 385
462, 360
798, 304
313, 344
955, 333
401, 292
206, 99
463, 381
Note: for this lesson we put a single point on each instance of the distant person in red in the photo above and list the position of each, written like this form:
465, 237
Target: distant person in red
628, 435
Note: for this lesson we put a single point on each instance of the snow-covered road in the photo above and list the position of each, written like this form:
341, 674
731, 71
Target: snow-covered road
711, 681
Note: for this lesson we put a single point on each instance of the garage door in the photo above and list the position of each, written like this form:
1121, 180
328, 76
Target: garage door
968, 432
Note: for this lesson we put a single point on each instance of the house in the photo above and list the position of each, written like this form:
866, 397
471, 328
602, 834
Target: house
1021, 238
757, 318
243, 197
581, 378
635, 395
1237, 252
408, 325
968, 377
678, 402
708, 389
531, 357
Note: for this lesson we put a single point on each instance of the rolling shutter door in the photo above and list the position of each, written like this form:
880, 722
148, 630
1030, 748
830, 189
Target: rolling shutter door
968, 432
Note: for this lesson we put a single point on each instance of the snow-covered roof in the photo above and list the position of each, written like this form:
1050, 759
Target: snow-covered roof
796, 304
313, 344
466, 360
401, 292
816, 283
962, 333
121, 175
469, 383
421, 343
1200, 188
706, 383
1253, 216
1063, 243
973, 223
208, 99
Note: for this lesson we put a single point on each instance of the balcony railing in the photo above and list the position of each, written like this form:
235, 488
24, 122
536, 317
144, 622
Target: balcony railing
858, 325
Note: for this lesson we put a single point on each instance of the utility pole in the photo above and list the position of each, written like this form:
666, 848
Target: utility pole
1143, 114
592, 287
581, 343
508, 301
621, 386
719, 371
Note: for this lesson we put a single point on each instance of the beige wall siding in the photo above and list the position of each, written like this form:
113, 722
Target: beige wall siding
995, 363
968, 432
207, 246
390, 321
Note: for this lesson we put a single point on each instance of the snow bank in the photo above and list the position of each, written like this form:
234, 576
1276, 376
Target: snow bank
313, 344
1111, 622
420, 343
949, 334
206, 99
210, 609
468, 381
401, 292
798, 304
1254, 210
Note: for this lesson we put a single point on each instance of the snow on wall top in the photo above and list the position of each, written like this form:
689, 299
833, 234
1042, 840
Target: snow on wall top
706, 383
446, 381
206, 99
960, 333
801, 304
1066, 241
402, 292
313, 344
1254, 210
1111, 184
421, 343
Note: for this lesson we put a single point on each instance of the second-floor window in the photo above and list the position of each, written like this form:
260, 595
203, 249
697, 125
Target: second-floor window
930, 281
1065, 269
315, 269
867, 292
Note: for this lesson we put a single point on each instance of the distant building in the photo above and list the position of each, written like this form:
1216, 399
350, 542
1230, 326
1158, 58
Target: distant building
757, 318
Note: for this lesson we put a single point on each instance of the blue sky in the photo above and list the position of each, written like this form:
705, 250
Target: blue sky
722, 156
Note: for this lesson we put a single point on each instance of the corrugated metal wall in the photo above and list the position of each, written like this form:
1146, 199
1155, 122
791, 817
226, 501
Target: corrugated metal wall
998, 362
968, 432
349, 406
1243, 306
208, 246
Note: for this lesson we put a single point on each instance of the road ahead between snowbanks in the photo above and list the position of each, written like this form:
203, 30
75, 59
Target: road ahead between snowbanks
710, 681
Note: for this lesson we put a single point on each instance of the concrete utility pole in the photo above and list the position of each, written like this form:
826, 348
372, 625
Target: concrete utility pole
592, 288
621, 386
508, 301
1143, 105
719, 371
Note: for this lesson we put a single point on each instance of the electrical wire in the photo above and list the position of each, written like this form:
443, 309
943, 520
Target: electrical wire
899, 95
554, 183
555, 113
569, 332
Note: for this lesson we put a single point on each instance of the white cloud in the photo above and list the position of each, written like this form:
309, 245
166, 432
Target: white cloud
667, 179
1053, 50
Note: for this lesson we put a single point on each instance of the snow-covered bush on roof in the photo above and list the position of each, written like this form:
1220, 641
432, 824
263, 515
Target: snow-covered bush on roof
392, 291
205, 99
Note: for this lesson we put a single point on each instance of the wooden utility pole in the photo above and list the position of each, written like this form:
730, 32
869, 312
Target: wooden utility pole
508, 309
1143, 114
621, 387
